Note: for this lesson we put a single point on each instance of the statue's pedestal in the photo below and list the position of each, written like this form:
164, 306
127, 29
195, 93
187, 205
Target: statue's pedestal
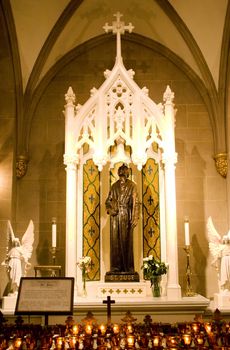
222, 300
9, 303
122, 277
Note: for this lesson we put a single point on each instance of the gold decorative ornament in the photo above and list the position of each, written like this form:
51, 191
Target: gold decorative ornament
221, 162
21, 166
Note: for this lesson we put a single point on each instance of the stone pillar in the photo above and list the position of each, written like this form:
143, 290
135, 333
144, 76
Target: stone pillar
173, 288
71, 161
71, 218
169, 160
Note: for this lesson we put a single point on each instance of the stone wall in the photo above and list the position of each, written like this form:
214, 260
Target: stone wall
7, 143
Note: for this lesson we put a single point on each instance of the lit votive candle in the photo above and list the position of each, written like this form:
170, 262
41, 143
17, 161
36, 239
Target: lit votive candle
88, 329
129, 328
156, 340
75, 329
102, 329
200, 339
208, 327
59, 342
18, 343
73, 341
130, 341
187, 339
171, 341
115, 328
195, 327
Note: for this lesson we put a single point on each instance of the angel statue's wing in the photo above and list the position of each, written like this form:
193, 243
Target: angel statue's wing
27, 241
214, 241
10, 236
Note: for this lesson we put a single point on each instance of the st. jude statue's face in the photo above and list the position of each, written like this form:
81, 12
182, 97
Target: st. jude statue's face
123, 173
123, 179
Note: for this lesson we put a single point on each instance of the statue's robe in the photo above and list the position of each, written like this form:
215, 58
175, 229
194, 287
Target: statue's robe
123, 206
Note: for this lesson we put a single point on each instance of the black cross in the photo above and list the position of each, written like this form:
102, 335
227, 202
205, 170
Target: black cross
91, 231
150, 200
91, 198
108, 302
91, 170
149, 170
151, 231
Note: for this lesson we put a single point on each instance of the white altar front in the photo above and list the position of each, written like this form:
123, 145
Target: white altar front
118, 115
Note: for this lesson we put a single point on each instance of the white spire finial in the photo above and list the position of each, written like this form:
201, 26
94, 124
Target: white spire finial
118, 27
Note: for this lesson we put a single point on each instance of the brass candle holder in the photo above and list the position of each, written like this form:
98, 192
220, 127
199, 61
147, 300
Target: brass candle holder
189, 291
53, 253
54, 268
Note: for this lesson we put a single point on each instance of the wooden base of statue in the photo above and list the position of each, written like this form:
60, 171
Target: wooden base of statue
122, 277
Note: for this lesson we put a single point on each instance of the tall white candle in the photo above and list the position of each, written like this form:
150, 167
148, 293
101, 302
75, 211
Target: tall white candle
54, 233
186, 232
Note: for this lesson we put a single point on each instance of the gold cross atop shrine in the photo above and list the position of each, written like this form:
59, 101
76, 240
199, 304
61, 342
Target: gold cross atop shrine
118, 27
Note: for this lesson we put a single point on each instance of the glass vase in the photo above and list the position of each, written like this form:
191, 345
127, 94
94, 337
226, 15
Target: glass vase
156, 286
84, 291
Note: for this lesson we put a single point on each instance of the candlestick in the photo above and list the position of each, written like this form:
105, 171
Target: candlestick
186, 231
54, 233
189, 292
53, 252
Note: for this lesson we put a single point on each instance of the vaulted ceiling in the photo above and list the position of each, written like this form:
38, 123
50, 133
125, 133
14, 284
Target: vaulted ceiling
41, 33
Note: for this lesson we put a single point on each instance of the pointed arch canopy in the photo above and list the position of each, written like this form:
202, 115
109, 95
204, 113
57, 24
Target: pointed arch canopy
119, 109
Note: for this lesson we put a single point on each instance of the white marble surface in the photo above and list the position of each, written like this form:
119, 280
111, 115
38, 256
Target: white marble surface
160, 309
9, 303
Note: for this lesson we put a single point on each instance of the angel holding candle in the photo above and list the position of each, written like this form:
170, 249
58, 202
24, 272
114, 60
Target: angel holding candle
18, 255
220, 251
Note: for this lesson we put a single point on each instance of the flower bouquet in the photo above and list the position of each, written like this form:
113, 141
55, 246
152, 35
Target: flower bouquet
85, 264
153, 269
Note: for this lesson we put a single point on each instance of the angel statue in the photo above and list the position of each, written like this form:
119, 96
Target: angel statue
18, 255
220, 251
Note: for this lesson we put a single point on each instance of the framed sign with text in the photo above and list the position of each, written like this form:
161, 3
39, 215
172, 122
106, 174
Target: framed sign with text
45, 295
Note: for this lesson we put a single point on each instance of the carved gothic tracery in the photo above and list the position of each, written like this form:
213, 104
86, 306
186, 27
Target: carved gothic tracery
21, 166
221, 163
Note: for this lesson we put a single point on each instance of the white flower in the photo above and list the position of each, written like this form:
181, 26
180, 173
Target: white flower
148, 258
86, 259
84, 262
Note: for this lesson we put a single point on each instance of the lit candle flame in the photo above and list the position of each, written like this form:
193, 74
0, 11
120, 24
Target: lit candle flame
88, 329
102, 328
115, 328
130, 340
75, 329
